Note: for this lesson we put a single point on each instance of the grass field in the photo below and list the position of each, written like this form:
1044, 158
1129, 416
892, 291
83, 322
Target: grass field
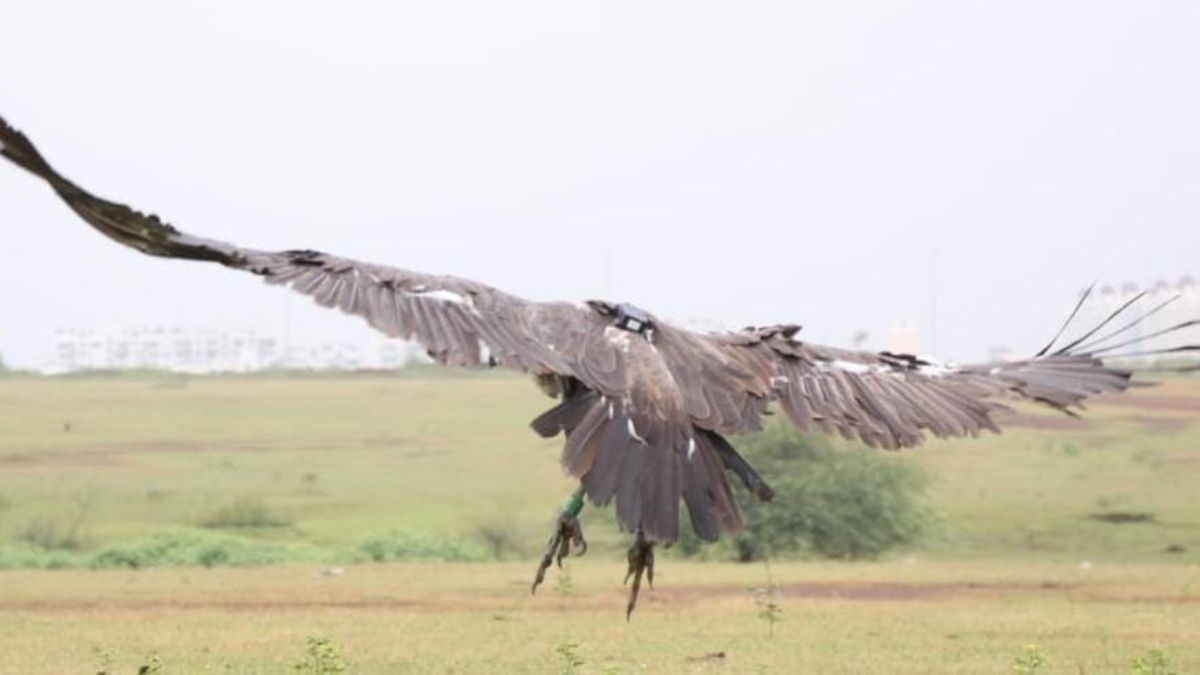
303, 470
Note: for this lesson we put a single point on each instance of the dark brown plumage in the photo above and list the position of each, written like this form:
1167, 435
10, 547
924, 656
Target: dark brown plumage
646, 406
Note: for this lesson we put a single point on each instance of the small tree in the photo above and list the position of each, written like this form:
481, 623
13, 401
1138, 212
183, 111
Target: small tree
847, 503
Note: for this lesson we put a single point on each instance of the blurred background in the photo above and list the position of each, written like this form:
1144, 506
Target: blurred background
255, 483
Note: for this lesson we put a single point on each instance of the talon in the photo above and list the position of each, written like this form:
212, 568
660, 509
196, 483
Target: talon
577, 540
650, 567
564, 547
641, 561
567, 533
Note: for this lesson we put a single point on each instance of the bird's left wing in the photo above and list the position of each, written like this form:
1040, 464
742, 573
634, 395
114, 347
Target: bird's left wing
458, 321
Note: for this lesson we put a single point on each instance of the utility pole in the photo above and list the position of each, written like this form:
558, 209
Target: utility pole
933, 300
608, 275
287, 328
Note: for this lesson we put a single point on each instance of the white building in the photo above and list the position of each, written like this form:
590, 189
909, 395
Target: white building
209, 350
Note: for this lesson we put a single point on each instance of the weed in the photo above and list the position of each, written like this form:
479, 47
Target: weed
322, 657
564, 587
769, 610
1153, 662
1029, 661
104, 661
569, 660
152, 666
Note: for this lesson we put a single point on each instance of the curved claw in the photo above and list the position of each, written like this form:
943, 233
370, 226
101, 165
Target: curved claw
567, 533
641, 560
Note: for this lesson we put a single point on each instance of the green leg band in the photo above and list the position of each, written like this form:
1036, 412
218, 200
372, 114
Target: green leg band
574, 505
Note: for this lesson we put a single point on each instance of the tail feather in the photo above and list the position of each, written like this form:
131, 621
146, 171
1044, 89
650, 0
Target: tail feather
647, 468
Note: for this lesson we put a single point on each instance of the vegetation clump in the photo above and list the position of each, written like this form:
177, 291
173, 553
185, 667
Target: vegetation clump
246, 512
322, 657
1153, 662
845, 503
1030, 661
396, 546
569, 660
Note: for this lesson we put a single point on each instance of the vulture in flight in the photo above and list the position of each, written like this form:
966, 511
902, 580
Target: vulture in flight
646, 408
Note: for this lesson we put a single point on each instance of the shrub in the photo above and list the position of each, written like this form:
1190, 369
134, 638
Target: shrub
569, 660
322, 657
189, 548
499, 535
1153, 662
50, 534
1029, 662
26, 557
64, 533
245, 512
845, 503
397, 546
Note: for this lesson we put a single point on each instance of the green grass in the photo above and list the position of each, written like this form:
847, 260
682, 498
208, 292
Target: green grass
889, 617
327, 461
335, 459
301, 473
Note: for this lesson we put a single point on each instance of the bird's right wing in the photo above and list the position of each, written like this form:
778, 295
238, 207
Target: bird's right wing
458, 321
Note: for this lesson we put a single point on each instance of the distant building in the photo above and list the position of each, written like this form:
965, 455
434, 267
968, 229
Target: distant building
1001, 353
903, 338
208, 350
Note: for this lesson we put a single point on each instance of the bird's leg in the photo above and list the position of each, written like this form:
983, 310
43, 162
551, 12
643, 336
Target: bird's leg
567, 533
641, 559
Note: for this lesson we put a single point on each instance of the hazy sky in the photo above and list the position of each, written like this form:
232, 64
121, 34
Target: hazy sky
737, 162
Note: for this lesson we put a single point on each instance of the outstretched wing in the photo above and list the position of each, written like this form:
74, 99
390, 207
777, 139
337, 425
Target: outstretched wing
628, 445
458, 321
884, 399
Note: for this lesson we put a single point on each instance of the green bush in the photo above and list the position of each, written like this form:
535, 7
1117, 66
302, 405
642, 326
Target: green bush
398, 546
248, 512
322, 657
51, 534
63, 531
29, 557
199, 549
1153, 662
845, 503
500, 535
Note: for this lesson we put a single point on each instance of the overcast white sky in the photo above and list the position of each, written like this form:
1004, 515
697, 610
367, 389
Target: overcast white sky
738, 162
